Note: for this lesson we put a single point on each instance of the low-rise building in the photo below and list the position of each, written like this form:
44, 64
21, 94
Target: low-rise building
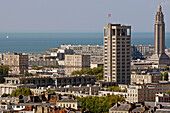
146, 92
74, 80
39, 81
145, 78
89, 90
162, 97
68, 103
8, 88
140, 94
105, 93
128, 108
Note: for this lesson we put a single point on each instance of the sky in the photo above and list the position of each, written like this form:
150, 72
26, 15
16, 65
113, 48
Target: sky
79, 15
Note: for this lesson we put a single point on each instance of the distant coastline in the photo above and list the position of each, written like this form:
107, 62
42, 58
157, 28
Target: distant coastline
38, 42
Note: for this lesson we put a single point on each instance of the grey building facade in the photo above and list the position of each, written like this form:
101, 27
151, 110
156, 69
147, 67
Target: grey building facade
117, 53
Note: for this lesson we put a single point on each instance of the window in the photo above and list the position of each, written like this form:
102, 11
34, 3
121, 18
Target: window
123, 32
118, 32
113, 32
105, 32
128, 32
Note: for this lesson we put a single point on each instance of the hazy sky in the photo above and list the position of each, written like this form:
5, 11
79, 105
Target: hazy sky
79, 15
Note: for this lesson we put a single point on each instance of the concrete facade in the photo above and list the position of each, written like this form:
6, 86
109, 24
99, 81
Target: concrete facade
38, 81
8, 88
75, 80
17, 62
159, 56
141, 51
145, 78
76, 62
95, 51
146, 92
89, 90
117, 53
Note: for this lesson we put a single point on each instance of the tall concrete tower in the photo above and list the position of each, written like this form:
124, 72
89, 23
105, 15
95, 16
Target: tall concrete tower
159, 55
117, 45
159, 32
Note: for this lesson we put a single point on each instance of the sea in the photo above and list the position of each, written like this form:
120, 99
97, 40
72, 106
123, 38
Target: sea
38, 42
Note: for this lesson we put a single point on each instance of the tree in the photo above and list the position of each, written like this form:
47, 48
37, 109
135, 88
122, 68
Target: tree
49, 91
97, 104
5, 95
3, 72
125, 90
168, 92
30, 74
166, 68
164, 76
114, 88
95, 71
23, 91
37, 67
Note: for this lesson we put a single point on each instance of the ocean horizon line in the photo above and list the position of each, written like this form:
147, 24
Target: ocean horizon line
71, 32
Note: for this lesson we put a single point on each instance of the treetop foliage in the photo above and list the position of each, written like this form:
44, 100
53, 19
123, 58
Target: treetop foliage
97, 104
95, 71
3, 72
23, 91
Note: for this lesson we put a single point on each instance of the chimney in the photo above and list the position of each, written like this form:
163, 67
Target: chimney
142, 104
154, 108
68, 97
144, 108
160, 106
130, 105
58, 96
30, 108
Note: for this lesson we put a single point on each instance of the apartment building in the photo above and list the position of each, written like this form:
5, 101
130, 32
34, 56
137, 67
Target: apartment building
76, 80
141, 51
8, 88
37, 80
17, 62
146, 92
144, 78
76, 62
88, 90
95, 51
117, 53
162, 97
140, 94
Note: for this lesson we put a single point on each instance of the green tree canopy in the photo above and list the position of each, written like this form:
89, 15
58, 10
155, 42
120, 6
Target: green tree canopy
23, 91
97, 104
3, 72
166, 68
114, 88
168, 92
5, 95
37, 67
29, 74
95, 71
164, 76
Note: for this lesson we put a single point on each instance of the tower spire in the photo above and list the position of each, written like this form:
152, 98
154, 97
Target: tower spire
160, 8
